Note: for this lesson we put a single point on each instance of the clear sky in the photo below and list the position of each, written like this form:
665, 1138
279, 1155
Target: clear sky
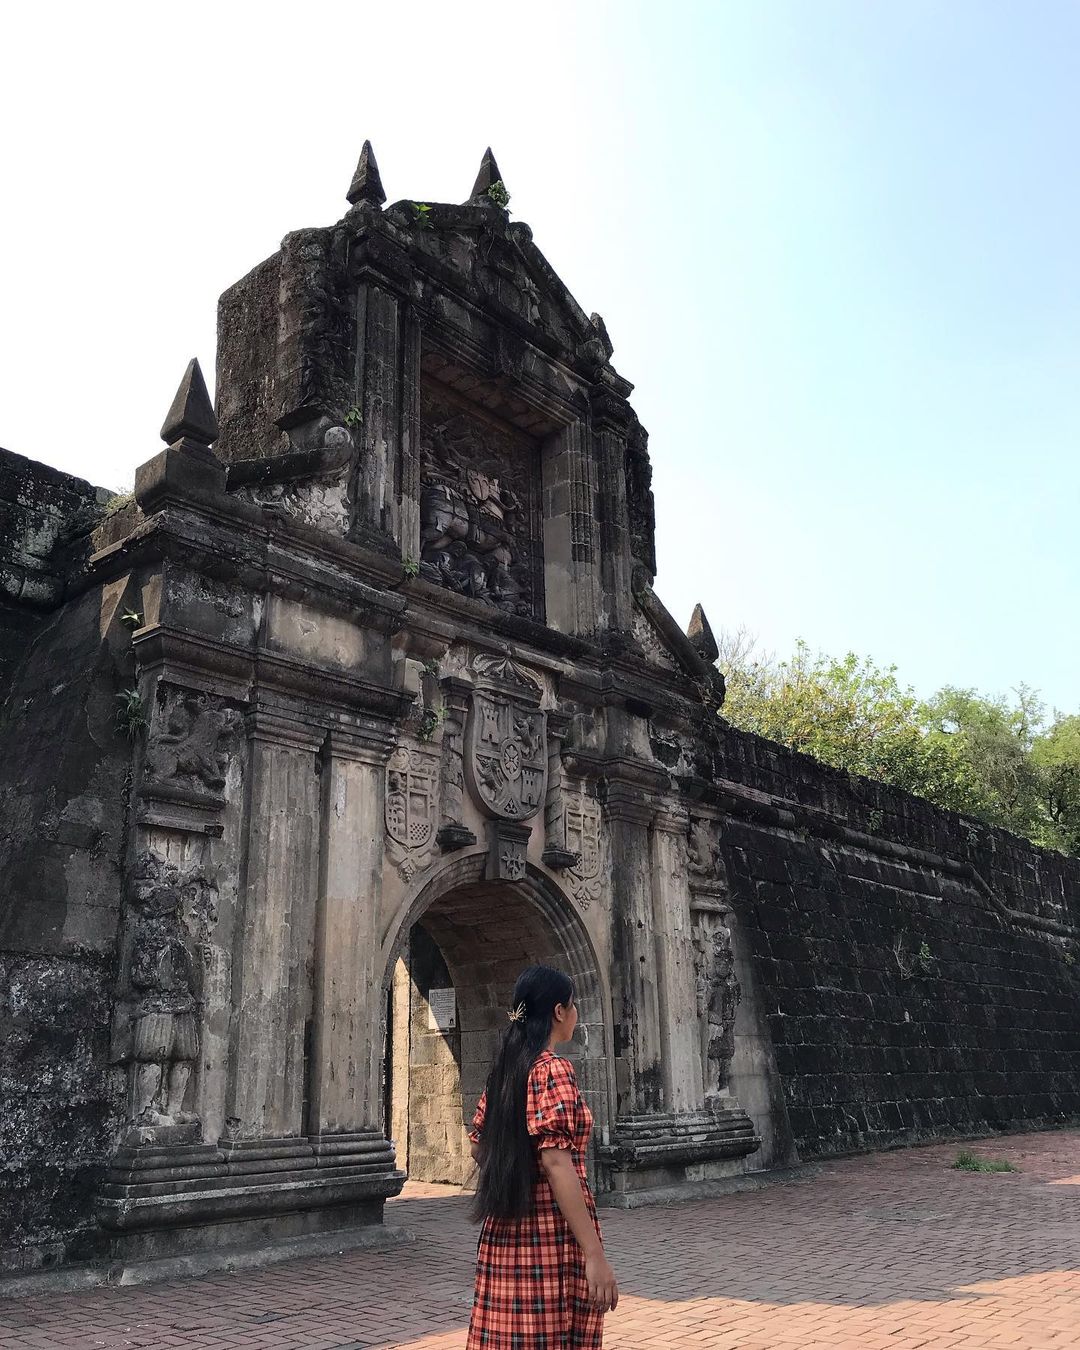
835, 244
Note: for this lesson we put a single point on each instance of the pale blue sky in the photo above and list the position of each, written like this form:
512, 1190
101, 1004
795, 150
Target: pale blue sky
835, 245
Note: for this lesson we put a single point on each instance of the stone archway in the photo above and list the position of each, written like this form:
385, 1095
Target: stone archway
475, 936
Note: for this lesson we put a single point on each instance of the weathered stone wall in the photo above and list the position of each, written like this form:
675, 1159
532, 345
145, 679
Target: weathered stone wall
901, 1002
45, 516
62, 790
436, 1146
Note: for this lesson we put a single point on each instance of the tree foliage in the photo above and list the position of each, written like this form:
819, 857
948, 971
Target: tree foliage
998, 759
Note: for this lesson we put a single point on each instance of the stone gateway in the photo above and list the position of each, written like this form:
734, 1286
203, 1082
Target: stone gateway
363, 702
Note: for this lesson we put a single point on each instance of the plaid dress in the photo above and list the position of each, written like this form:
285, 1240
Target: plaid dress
530, 1274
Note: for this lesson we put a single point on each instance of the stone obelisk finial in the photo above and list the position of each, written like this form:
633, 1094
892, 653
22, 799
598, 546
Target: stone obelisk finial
191, 416
488, 176
366, 185
187, 468
701, 637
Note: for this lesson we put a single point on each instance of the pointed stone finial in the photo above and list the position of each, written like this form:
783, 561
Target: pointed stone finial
187, 470
191, 416
488, 176
366, 185
701, 636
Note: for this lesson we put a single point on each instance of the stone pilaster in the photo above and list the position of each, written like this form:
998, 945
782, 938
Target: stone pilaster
572, 576
274, 946
345, 1070
387, 357
611, 419
675, 974
636, 1007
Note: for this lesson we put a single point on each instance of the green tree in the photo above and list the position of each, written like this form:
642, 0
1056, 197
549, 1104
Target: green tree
991, 758
1056, 759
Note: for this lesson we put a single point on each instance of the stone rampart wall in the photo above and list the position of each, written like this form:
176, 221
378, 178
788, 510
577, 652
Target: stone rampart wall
907, 990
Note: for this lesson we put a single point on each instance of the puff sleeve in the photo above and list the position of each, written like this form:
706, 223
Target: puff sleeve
551, 1104
478, 1118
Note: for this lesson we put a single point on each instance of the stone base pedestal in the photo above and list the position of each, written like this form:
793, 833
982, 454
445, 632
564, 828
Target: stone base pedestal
667, 1153
161, 1201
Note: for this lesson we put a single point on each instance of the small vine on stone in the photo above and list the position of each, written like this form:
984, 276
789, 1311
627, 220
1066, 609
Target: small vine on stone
422, 215
498, 194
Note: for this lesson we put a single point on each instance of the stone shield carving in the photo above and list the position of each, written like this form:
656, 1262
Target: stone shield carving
584, 836
410, 809
507, 756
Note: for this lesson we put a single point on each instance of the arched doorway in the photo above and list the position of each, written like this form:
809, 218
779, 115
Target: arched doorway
451, 962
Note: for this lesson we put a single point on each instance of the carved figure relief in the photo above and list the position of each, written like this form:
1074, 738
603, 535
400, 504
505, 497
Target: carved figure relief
717, 997
507, 755
705, 857
191, 741
162, 1040
479, 507
410, 809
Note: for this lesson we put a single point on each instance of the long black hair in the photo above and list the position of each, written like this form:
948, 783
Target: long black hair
506, 1158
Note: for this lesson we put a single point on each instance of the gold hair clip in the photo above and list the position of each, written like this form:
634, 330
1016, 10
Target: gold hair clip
518, 1015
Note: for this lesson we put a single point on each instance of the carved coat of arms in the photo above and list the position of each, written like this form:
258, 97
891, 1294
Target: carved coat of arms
584, 836
410, 809
507, 756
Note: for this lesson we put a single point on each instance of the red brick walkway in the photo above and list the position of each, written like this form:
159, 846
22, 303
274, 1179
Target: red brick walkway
895, 1251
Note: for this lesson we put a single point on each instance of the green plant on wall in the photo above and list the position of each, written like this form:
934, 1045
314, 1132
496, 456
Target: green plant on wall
431, 719
131, 715
352, 417
131, 618
908, 962
422, 215
498, 194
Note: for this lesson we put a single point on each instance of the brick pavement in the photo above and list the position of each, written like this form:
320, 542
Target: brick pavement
894, 1250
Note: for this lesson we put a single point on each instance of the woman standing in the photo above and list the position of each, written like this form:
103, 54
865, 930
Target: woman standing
542, 1279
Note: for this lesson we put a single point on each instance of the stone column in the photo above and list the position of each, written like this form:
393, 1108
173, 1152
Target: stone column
675, 972
347, 1014
274, 939
636, 1007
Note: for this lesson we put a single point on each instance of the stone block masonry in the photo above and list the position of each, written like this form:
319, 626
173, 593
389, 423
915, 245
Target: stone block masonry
920, 980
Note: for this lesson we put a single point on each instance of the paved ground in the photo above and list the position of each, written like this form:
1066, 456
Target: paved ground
890, 1252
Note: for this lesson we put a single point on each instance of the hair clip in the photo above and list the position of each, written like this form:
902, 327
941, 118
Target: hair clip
518, 1015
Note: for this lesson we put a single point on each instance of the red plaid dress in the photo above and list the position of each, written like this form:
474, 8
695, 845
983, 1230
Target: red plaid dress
530, 1274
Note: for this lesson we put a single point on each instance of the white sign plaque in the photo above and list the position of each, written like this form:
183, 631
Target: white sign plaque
442, 1010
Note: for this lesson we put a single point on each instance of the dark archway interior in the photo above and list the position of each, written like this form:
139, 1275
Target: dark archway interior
474, 940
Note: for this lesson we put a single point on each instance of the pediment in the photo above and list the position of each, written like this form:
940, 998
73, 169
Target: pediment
494, 262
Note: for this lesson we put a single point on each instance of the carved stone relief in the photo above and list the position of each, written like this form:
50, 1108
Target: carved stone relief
717, 997
156, 1029
507, 756
190, 742
480, 516
410, 810
453, 833
705, 858
584, 836
318, 495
